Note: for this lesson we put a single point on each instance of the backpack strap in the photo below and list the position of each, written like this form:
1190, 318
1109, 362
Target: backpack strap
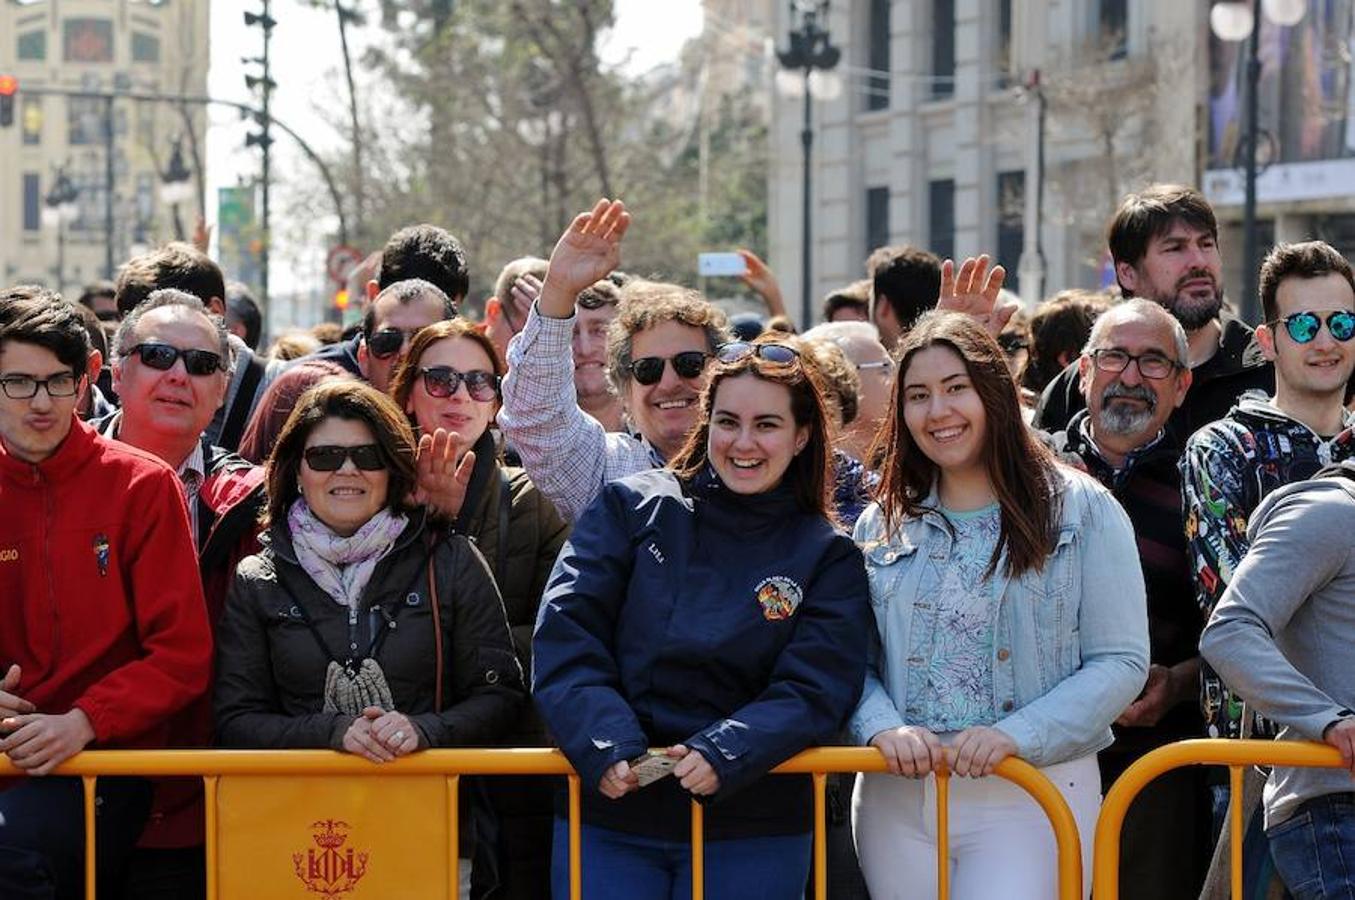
238, 417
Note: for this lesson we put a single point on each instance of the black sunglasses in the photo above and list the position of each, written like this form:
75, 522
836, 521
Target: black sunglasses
442, 381
163, 356
388, 341
648, 370
330, 457
735, 351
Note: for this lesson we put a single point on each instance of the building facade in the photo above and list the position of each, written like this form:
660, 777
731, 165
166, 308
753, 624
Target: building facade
98, 47
954, 112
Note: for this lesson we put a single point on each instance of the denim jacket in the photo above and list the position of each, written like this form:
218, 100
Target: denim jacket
1070, 648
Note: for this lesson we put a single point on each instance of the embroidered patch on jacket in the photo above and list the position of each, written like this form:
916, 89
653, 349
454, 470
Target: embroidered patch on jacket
779, 597
101, 552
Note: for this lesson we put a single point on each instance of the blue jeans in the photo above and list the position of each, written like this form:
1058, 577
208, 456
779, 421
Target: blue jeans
1314, 850
621, 866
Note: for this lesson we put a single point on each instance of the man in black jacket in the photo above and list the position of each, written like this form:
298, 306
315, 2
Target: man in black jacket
1133, 376
1164, 241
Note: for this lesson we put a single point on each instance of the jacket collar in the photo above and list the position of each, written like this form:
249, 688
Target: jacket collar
750, 509
78, 447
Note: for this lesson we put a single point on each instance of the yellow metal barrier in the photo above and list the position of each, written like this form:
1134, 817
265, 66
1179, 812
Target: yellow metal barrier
212, 765
1234, 754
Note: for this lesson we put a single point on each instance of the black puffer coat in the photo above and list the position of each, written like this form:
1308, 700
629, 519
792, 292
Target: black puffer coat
271, 668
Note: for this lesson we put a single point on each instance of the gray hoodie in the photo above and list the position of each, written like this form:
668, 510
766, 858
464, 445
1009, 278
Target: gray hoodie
1283, 634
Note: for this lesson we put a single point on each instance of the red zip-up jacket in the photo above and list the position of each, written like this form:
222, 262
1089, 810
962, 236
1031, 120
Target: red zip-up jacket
100, 599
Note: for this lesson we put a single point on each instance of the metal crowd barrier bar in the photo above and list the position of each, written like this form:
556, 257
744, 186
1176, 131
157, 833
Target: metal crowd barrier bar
211, 765
1235, 754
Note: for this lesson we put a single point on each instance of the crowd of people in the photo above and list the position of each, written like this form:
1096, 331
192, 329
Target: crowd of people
682, 548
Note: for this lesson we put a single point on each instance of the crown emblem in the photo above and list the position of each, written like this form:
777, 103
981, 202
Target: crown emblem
332, 870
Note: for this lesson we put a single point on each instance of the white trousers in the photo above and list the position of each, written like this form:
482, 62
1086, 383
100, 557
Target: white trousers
1001, 843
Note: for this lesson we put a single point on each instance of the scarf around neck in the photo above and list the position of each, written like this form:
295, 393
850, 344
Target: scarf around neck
342, 566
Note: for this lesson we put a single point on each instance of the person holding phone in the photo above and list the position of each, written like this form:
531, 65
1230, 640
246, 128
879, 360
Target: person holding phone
712, 610
1009, 620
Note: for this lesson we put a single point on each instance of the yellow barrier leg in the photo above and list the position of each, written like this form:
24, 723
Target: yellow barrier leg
91, 849
209, 799
1235, 838
698, 851
820, 836
943, 835
454, 835
575, 841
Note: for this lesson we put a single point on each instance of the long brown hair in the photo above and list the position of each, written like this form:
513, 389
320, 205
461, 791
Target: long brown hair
407, 372
357, 402
1020, 468
810, 470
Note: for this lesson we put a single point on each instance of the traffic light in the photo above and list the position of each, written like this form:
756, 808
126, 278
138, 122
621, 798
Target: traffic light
341, 299
9, 86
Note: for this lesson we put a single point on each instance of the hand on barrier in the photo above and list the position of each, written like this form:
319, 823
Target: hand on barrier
974, 291
11, 704
589, 249
1341, 735
618, 781
441, 479
395, 732
910, 750
360, 740
695, 773
38, 743
975, 752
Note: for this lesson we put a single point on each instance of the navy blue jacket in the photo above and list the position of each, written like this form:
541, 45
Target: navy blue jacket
684, 613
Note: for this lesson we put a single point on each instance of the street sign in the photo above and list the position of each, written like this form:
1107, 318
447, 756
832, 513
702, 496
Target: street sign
341, 261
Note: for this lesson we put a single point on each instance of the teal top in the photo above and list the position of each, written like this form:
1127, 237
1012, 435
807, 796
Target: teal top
950, 654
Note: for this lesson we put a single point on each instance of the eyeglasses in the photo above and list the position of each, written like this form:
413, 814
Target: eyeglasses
1303, 327
687, 364
24, 387
388, 341
163, 356
442, 381
1151, 365
330, 457
774, 353
591, 299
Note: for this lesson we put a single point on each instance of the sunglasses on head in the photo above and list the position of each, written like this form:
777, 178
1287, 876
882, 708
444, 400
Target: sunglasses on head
648, 370
734, 351
388, 341
330, 457
163, 356
1303, 327
442, 381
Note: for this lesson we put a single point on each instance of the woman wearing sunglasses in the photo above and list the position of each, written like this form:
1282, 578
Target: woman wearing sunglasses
710, 612
1010, 620
450, 380
358, 627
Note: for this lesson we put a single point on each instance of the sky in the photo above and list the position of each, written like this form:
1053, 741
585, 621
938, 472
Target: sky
307, 66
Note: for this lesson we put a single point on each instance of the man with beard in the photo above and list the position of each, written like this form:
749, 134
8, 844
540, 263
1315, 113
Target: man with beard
1134, 374
1308, 297
1164, 242
658, 353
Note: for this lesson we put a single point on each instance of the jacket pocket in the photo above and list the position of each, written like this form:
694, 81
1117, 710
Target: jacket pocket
1056, 609
885, 568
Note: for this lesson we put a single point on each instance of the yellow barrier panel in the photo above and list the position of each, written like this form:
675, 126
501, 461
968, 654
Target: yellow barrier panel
213, 765
1235, 754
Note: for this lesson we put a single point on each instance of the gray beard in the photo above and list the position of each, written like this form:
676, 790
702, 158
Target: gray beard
1118, 419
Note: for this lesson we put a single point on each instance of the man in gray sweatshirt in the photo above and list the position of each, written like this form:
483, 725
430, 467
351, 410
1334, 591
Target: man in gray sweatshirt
1283, 637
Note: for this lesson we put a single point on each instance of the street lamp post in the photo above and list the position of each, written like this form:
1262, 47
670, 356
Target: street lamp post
810, 48
1236, 20
60, 209
262, 138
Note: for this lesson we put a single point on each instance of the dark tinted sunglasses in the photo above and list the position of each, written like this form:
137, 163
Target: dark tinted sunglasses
330, 457
734, 351
162, 357
648, 370
1304, 326
442, 381
388, 341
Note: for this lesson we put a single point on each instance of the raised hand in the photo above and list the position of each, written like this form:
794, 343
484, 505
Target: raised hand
589, 249
974, 291
762, 281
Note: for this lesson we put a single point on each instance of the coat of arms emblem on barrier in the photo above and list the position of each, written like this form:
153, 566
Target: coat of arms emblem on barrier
330, 869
